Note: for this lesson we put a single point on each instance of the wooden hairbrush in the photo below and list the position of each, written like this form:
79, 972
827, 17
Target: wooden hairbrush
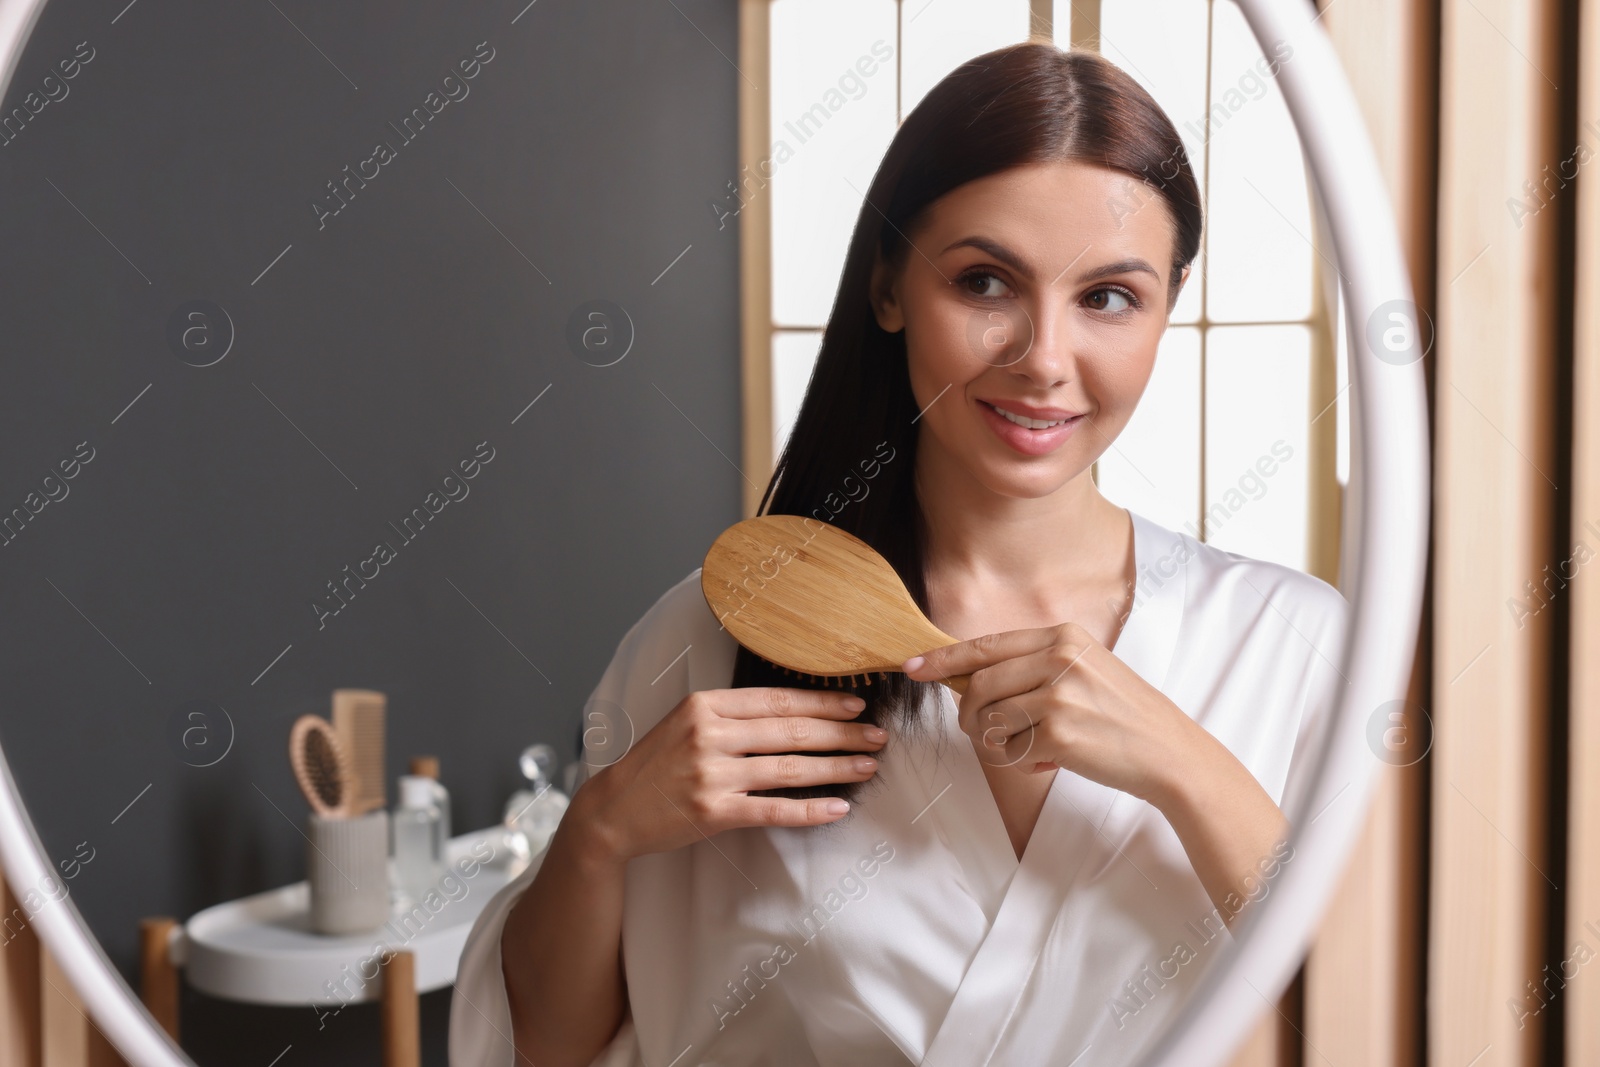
815, 600
321, 766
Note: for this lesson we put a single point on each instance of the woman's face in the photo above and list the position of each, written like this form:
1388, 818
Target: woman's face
1041, 292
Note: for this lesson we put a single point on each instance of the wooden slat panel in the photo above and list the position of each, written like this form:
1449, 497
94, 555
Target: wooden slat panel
1363, 1005
1266, 1045
1363, 980
1278, 1038
755, 249
65, 1043
70, 1037
1583, 861
1041, 20
1492, 528
20, 1040
1085, 25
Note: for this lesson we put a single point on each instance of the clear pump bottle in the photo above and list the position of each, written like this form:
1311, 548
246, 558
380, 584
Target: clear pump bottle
415, 824
428, 767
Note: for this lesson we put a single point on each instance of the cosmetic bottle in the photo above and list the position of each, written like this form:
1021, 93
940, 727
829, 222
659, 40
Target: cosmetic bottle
415, 823
532, 814
428, 767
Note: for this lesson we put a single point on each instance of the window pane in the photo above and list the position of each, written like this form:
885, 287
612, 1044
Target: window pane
1260, 226
794, 353
1162, 45
1153, 467
939, 35
833, 113
1257, 399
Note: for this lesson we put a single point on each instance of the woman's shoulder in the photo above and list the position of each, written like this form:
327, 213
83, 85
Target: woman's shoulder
676, 647
679, 625
681, 607
1231, 583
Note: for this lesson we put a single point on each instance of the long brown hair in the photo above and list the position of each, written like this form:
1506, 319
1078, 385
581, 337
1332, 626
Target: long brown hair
850, 457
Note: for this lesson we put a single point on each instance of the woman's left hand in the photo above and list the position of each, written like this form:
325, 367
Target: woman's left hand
1056, 697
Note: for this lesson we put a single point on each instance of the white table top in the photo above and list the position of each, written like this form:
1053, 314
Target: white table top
261, 949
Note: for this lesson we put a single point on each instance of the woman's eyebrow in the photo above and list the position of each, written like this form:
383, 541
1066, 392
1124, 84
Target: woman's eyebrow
1017, 263
1122, 266
995, 249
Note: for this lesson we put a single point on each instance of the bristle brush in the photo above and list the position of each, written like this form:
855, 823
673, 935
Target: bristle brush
321, 766
815, 600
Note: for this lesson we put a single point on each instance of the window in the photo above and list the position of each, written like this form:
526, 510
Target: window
1239, 438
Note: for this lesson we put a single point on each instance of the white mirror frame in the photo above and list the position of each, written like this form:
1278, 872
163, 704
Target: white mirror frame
1385, 533
1385, 542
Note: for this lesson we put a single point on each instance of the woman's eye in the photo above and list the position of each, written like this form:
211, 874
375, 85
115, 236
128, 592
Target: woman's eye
1110, 294
982, 283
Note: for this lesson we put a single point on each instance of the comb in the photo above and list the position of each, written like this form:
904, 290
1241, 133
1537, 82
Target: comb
816, 601
358, 716
321, 766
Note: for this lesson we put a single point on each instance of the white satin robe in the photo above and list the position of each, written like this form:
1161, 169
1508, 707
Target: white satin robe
909, 932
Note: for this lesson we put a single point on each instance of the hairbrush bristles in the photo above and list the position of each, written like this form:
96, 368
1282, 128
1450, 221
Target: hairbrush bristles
827, 681
321, 766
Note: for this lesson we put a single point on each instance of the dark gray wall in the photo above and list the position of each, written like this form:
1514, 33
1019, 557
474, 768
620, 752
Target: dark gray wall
372, 357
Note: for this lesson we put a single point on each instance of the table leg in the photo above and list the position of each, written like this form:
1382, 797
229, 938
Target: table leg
402, 1031
158, 978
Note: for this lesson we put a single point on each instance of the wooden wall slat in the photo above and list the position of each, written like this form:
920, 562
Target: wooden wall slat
1494, 499
61, 1018
20, 1039
1362, 980
1273, 1043
755, 249
70, 1036
1583, 859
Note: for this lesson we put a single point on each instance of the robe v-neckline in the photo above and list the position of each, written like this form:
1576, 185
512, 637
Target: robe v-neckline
1063, 835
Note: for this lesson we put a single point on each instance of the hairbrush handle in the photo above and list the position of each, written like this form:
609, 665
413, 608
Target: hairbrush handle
815, 600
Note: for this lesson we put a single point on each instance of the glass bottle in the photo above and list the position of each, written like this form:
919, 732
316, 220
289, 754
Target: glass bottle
415, 828
532, 814
428, 767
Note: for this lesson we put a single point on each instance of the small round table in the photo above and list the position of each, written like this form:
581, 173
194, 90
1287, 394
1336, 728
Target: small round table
261, 949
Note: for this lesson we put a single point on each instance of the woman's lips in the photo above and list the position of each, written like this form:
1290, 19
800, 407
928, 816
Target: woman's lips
1023, 440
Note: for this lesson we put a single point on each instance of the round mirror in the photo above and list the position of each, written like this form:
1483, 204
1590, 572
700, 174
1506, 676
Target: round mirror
352, 354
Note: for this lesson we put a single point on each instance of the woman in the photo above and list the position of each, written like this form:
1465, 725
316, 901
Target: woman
757, 873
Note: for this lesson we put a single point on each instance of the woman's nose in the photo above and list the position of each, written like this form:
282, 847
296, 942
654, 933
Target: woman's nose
1044, 354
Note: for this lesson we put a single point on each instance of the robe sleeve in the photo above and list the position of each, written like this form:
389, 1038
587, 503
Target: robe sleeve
480, 1013
1325, 686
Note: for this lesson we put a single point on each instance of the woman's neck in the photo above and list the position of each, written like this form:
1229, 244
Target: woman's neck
1035, 553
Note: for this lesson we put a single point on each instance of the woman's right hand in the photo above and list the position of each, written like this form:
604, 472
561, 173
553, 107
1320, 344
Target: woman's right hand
689, 777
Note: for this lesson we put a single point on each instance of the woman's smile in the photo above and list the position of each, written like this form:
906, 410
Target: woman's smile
1029, 436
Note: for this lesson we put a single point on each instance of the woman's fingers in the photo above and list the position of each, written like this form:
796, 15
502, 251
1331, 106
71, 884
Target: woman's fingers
1010, 678
772, 701
798, 734
727, 743
995, 724
767, 719
1010, 733
783, 811
794, 771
